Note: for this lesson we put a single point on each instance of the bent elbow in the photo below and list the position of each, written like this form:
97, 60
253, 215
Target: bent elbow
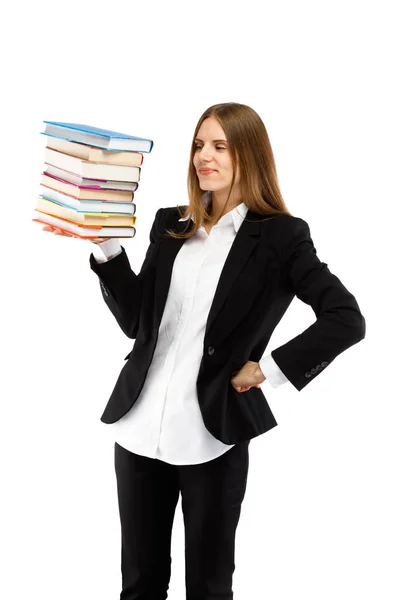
355, 322
361, 328
349, 321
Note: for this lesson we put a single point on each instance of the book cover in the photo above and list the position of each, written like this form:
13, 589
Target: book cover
97, 136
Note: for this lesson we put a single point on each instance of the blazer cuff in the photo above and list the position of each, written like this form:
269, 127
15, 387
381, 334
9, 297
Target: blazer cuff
272, 372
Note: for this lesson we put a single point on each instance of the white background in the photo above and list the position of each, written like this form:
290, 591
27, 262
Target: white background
320, 515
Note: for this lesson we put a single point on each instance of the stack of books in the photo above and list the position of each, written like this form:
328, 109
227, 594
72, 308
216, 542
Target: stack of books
89, 179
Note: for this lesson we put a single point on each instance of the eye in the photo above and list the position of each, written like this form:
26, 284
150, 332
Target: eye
217, 147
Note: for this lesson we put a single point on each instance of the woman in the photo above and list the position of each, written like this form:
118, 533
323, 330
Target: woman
216, 280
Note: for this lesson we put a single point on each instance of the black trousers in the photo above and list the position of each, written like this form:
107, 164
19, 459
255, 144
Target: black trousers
212, 494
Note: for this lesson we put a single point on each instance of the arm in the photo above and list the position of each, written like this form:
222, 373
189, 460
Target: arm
339, 322
121, 286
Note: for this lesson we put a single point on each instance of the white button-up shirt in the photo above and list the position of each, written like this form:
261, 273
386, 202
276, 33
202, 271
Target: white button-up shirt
165, 422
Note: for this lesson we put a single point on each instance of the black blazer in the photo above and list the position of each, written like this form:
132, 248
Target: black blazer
269, 263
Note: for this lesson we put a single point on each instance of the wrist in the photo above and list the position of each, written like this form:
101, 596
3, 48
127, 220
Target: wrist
259, 374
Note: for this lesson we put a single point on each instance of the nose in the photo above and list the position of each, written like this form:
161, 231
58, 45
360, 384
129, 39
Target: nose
205, 154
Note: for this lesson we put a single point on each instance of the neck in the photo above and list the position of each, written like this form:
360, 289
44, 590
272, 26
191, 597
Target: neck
218, 200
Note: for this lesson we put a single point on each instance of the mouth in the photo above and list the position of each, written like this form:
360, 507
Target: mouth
206, 171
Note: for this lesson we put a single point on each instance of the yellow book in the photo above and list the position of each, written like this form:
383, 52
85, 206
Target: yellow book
84, 218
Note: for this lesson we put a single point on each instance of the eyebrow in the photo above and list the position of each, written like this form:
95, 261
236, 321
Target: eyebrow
200, 140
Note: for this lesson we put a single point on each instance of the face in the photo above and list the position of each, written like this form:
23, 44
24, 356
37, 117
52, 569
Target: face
212, 152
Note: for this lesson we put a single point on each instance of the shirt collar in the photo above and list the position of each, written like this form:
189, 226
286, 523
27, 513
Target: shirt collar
235, 216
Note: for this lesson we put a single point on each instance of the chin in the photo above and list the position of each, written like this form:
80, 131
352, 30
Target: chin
209, 187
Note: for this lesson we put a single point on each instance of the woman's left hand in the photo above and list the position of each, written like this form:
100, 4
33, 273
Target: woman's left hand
249, 375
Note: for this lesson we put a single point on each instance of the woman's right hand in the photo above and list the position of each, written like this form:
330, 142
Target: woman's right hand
58, 231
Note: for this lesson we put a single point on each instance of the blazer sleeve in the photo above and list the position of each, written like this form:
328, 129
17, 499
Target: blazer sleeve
339, 323
121, 287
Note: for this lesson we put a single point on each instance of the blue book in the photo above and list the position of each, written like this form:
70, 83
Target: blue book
95, 136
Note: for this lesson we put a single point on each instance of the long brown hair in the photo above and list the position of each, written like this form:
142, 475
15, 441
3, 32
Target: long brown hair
249, 148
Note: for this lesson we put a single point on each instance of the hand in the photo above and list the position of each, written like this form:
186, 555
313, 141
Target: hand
98, 240
59, 231
250, 375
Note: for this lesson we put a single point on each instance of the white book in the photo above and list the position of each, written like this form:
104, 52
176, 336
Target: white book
91, 170
103, 184
81, 230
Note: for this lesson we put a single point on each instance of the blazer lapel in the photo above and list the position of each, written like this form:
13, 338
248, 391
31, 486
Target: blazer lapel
246, 239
